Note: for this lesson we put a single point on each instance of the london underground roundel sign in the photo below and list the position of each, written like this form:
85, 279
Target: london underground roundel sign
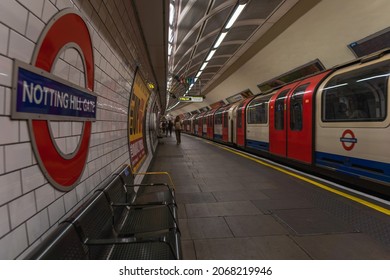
41, 97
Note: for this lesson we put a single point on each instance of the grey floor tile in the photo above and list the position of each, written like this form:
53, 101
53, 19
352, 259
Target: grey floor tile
226, 249
181, 211
351, 246
214, 227
279, 247
187, 188
240, 195
201, 197
271, 204
184, 229
259, 225
312, 221
188, 250
235, 208
257, 248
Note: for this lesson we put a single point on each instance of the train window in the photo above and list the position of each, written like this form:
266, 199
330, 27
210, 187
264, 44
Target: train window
357, 96
296, 108
218, 118
257, 111
279, 110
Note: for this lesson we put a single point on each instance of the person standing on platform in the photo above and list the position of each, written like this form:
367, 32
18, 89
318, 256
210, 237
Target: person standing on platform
170, 126
178, 129
164, 127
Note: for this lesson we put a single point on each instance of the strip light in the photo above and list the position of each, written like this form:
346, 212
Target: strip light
222, 36
220, 39
210, 55
235, 15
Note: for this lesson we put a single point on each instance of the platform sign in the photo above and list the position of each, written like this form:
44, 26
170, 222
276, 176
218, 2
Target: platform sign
42, 95
191, 98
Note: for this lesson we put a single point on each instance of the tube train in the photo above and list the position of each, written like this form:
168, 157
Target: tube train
335, 123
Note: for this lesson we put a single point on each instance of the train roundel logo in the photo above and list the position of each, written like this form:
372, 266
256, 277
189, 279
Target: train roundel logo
348, 140
43, 97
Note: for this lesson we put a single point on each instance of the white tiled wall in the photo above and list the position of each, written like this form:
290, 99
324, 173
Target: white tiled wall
29, 206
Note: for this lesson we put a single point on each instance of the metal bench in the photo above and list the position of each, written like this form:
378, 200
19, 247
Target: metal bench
109, 226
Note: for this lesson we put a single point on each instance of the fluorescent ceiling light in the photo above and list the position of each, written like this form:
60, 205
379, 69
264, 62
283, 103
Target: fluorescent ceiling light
210, 55
220, 39
235, 15
203, 66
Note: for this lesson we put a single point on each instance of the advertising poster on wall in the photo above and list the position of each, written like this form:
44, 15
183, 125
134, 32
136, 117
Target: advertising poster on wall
138, 101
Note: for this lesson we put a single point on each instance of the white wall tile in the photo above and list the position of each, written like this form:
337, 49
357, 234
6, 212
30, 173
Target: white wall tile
71, 144
10, 187
61, 144
44, 196
20, 47
81, 191
13, 243
2, 100
35, 6
7, 105
77, 128
54, 127
61, 69
70, 200
56, 211
74, 76
12, 128
24, 134
71, 56
13, 14
5, 70
4, 220
32, 178
17, 156
2, 168
62, 4
34, 27
48, 11
4, 33
65, 129
21, 209
37, 225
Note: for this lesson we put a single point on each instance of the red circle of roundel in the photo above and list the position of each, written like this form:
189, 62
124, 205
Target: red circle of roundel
63, 172
350, 133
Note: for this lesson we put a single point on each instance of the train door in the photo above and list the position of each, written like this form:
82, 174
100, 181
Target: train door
225, 126
241, 120
300, 120
204, 120
234, 124
278, 121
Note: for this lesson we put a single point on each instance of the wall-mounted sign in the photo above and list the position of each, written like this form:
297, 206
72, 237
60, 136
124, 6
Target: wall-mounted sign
137, 108
191, 98
41, 95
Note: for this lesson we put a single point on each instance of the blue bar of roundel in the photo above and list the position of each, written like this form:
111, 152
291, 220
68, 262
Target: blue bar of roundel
42, 109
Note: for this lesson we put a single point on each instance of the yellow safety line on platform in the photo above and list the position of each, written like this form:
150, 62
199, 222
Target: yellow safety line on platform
351, 197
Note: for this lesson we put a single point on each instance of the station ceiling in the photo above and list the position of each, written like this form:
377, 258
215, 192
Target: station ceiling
196, 29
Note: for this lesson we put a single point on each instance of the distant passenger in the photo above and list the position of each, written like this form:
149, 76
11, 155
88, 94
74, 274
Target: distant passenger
164, 126
178, 130
170, 126
342, 111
